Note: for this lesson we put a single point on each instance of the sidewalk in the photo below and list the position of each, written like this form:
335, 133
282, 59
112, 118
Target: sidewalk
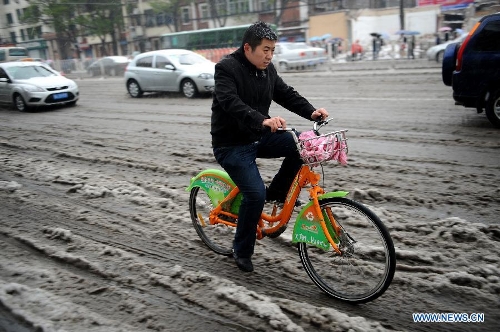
339, 65
336, 65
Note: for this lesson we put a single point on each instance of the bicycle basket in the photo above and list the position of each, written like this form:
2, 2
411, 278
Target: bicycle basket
317, 149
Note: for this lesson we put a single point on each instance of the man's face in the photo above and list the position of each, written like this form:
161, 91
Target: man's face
262, 55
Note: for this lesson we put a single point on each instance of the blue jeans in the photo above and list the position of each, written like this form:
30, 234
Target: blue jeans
239, 162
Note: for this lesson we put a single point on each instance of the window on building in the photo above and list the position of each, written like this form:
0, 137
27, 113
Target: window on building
323, 5
265, 5
5, 2
161, 19
238, 6
23, 36
221, 6
10, 19
13, 37
30, 32
150, 18
19, 13
185, 15
204, 14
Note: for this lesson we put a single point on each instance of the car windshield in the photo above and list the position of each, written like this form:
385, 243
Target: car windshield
188, 58
27, 72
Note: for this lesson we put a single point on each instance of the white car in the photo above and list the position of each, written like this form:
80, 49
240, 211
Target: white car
173, 70
298, 56
435, 53
26, 85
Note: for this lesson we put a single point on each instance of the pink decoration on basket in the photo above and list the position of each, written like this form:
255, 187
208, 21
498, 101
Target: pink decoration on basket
318, 149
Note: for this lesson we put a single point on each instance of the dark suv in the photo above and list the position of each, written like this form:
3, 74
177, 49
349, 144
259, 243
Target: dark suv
473, 68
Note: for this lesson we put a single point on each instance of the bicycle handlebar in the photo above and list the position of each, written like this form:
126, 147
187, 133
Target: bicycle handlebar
317, 125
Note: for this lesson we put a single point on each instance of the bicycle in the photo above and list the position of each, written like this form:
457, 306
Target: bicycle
344, 247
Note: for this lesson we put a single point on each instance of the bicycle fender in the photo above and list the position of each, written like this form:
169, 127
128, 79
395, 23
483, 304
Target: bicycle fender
308, 225
217, 184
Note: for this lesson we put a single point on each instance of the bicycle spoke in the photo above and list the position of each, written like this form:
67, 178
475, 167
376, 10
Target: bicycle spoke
366, 266
218, 237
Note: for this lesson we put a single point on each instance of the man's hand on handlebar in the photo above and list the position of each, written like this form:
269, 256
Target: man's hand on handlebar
275, 123
319, 114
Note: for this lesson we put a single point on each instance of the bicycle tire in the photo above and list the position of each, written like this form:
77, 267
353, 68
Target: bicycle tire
218, 237
366, 268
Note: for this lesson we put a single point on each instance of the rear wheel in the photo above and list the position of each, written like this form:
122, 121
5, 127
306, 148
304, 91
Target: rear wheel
368, 261
493, 108
188, 88
218, 237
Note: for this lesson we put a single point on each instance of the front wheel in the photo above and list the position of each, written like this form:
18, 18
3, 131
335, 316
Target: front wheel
218, 237
366, 267
188, 88
134, 89
20, 104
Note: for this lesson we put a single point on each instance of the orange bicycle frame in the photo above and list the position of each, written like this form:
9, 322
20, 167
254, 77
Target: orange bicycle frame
304, 177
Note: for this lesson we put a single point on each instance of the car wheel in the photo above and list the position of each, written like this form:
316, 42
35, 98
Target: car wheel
283, 66
188, 88
19, 103
439, 57
493, 108
449, 63
134, 89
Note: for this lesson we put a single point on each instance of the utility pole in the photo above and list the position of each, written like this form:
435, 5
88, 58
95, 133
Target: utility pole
401, 14
127, 22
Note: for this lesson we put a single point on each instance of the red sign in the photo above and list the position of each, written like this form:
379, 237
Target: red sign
445, 3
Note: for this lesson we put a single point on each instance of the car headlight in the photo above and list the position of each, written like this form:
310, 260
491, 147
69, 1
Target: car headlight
206, 76
33, 88
72, 85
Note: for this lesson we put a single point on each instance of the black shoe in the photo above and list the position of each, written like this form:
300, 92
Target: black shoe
244, 264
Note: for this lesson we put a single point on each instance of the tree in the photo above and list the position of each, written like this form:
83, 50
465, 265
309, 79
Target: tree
218, 12
58, 14
172, 8
101, 19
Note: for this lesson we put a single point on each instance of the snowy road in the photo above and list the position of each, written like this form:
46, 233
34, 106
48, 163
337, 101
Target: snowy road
95, 233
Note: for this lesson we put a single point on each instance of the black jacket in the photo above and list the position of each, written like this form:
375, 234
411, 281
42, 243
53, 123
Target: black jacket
242, 98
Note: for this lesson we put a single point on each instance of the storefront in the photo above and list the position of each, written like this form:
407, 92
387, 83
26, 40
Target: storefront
36, 48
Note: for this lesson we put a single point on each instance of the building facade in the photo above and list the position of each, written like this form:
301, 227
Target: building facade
296, 21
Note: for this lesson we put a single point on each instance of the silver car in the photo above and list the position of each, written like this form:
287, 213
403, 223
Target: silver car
436, 52
298, 56
26, 85
170, 70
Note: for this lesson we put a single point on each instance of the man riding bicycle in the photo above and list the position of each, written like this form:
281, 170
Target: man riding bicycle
246, 82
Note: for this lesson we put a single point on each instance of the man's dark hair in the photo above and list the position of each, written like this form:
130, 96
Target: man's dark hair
256, 32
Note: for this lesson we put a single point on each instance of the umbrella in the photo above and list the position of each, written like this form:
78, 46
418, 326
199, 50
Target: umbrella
385, 35
315, 38
326, 36
375, 34
460, 31
407, 32
445, 29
